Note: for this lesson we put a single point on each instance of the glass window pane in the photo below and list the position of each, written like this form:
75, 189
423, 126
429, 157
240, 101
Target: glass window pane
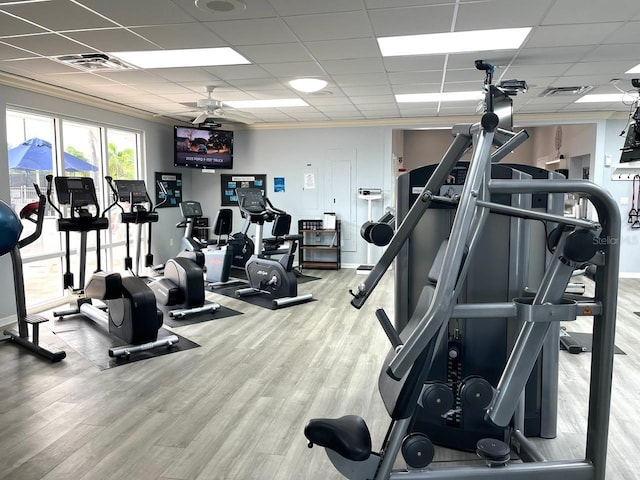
42, 280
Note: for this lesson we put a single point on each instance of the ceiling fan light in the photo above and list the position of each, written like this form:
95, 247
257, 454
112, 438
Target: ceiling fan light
308, 85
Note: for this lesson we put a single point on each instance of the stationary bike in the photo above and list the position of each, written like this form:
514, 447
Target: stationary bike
10, 242
131, 313
266, 275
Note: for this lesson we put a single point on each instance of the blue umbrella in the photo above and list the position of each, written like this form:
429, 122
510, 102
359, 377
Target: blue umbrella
35, 154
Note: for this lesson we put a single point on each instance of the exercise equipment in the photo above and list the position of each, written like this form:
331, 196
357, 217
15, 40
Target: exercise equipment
380, 232
404, 377
370, 195
181, 282
266, 275
10, 242
217, 254
131, 315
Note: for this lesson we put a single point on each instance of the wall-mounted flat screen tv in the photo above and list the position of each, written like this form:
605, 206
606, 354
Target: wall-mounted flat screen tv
204, 148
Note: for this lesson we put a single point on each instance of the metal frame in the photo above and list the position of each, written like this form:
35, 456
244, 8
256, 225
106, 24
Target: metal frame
473, 207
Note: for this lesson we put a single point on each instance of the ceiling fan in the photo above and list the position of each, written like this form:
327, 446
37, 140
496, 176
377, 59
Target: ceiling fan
211, 110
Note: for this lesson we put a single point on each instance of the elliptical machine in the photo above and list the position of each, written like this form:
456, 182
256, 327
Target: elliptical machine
131, 313
181, 283
266, 275
11, 229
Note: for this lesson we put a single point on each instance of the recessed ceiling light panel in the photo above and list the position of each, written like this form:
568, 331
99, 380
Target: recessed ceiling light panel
453, 42
607, 98
439, 97
634, 70
308, 85
189, 57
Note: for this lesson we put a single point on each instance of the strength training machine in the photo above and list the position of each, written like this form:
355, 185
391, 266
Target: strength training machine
404, 380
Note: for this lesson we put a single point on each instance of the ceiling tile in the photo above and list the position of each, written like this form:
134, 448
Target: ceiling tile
574, 11
467, 60
538, 56
48, 44
499, 14
288, 7
412, 20
77, 78
275, 53
524, 71
185, 74
294, 69
15, 26
566, 35
408, 78
143, 12
360, 79
344, 49
373, 4
590, 68
356, 65
367, 90
414, 63
112, 40
603, 53
627, 33
253, 32
8, 52
369, 99
255, 9
185, 35
417, 88
59, 15
237, 72
42, 66
134, 77
330, 26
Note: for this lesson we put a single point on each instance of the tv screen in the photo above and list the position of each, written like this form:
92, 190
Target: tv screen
204, 148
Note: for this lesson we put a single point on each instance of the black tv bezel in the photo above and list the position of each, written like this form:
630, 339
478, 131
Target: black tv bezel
224, 163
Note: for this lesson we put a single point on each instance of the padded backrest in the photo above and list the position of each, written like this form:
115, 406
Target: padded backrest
281, 225
223, 223
400, 397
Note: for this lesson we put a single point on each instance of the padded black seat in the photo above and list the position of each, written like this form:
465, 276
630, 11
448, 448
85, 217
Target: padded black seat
349, 436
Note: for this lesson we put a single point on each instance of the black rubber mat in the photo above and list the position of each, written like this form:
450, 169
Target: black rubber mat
261, 300
586, 339
93, 341
222, 312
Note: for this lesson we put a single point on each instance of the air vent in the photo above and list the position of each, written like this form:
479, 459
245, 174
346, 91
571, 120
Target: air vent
93, 61
565, 91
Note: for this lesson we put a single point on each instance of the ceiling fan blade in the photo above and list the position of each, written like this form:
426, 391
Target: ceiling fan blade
200, 118
193, 105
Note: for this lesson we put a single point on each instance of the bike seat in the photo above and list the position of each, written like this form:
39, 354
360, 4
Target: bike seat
348, 436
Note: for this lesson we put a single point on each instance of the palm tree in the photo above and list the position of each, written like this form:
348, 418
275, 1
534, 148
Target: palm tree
121, 162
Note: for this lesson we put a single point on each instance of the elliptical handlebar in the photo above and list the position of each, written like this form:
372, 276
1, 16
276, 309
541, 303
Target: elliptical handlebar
27, 213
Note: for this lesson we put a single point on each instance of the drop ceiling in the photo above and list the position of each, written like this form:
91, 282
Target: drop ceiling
572, 43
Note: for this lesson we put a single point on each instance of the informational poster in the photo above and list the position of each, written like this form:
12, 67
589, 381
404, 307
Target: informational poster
278, 184
229, 183
168, 189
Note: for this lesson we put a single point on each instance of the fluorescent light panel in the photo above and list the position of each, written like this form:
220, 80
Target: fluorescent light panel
606, 98
453, 42
272, 103
634, 70
439, 97
189, 57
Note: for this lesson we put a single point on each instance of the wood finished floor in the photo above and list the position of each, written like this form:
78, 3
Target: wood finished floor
235, 408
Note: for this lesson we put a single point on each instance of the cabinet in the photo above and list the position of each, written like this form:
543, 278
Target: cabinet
319, 247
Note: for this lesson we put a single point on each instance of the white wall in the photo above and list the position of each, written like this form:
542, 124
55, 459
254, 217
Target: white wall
290, 153
157, 146
609, 142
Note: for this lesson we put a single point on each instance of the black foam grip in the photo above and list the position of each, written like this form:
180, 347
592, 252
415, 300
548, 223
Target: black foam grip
489, 121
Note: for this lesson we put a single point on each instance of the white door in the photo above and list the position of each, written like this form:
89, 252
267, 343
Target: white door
341, 193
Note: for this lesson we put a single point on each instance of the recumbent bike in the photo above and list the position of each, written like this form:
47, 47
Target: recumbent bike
267, 275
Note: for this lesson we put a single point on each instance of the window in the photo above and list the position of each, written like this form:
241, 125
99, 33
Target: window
41, 145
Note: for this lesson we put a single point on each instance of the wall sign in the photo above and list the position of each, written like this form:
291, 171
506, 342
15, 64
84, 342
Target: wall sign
229, 183
172, 183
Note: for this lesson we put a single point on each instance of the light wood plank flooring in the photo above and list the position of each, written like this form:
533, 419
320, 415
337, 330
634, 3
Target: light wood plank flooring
235, 408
